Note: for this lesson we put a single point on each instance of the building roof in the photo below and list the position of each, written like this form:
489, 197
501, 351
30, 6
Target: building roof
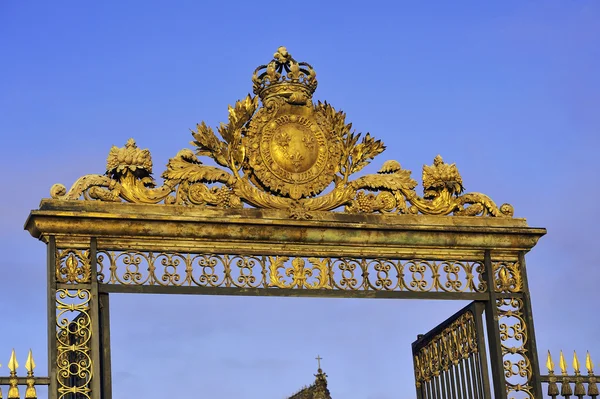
317, 390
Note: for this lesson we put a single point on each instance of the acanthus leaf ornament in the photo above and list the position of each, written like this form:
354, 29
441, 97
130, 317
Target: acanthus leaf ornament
279, 150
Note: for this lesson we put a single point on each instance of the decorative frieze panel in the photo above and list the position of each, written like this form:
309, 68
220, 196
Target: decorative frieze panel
271, 272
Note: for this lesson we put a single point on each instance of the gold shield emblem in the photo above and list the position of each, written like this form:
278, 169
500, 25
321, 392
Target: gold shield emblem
291, 154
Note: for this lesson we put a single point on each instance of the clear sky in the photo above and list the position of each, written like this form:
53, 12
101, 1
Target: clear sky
509, 90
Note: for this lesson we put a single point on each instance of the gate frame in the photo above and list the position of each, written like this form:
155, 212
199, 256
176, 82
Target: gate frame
78, 232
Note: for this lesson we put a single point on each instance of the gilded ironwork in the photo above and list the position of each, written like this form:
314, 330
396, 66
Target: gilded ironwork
575, 384
73, 266
507, 277
246, 271
289, 157
514, 335
299, 273
282, 154
457, 341
74, 335
13, 365
450, 361
30, 391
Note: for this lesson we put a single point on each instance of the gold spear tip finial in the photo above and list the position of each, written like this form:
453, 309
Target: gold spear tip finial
550, 363
575, 362
562, 363
13, 365
30, 364
589, 365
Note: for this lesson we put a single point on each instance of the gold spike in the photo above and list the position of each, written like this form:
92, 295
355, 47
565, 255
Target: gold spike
550, 363
575, 362
30, 364
13, 365
589, 365
13, 389
562, 363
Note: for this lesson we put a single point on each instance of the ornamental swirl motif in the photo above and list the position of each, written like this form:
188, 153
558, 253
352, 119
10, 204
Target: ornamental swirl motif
450, 347
514, 335
282, 155
73, 335
271, 272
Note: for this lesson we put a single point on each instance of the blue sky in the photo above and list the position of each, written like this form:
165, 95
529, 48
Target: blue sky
508, 90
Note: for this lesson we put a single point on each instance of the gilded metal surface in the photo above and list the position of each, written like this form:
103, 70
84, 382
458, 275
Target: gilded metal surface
73, 266
74, 335
244, 271
285, 153
508, 277
30, 392
571, 384
514, 335
13, 390
455, 343
299, 273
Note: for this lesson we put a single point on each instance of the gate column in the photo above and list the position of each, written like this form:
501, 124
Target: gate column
73, 317
511, 336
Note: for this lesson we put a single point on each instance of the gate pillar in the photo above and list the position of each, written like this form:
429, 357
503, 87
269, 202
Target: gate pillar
74, 322
511, 336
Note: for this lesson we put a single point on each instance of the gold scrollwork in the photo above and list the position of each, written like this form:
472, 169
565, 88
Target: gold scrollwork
73, 266
299, 273
74, 333
247, 271
507, 277
282, 154
518, 371
456, 342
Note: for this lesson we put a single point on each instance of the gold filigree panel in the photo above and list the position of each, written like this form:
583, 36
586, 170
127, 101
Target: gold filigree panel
514, 338
452, 346
73, 266
271, 272
73, 335
508, 277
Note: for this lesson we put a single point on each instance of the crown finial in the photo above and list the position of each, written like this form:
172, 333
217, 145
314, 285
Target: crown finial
286, 78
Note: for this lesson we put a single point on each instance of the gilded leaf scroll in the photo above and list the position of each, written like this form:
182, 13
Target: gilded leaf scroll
175, 269
282, 152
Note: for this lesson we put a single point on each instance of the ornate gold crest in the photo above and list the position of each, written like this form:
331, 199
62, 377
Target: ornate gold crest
282, 154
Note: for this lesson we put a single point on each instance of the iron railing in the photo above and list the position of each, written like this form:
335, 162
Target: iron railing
450, 360
566, 385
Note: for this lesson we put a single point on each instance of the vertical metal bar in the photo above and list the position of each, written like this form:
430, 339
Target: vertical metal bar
463, 380
453, 386
468, 375
95, 320
493, 330
531, 345
105, 361
485, 377
476, 383
479, 372
437, 387
444, 383
448, 385
428, 386
51, 316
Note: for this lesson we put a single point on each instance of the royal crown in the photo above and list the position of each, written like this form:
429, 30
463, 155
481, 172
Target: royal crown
285, 77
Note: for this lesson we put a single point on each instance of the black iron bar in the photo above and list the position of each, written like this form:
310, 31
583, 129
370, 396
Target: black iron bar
51, 316
468, 376
463, 381
452, 378
476, 393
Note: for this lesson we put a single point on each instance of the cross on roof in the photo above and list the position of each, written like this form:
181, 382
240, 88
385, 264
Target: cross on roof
319, 358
